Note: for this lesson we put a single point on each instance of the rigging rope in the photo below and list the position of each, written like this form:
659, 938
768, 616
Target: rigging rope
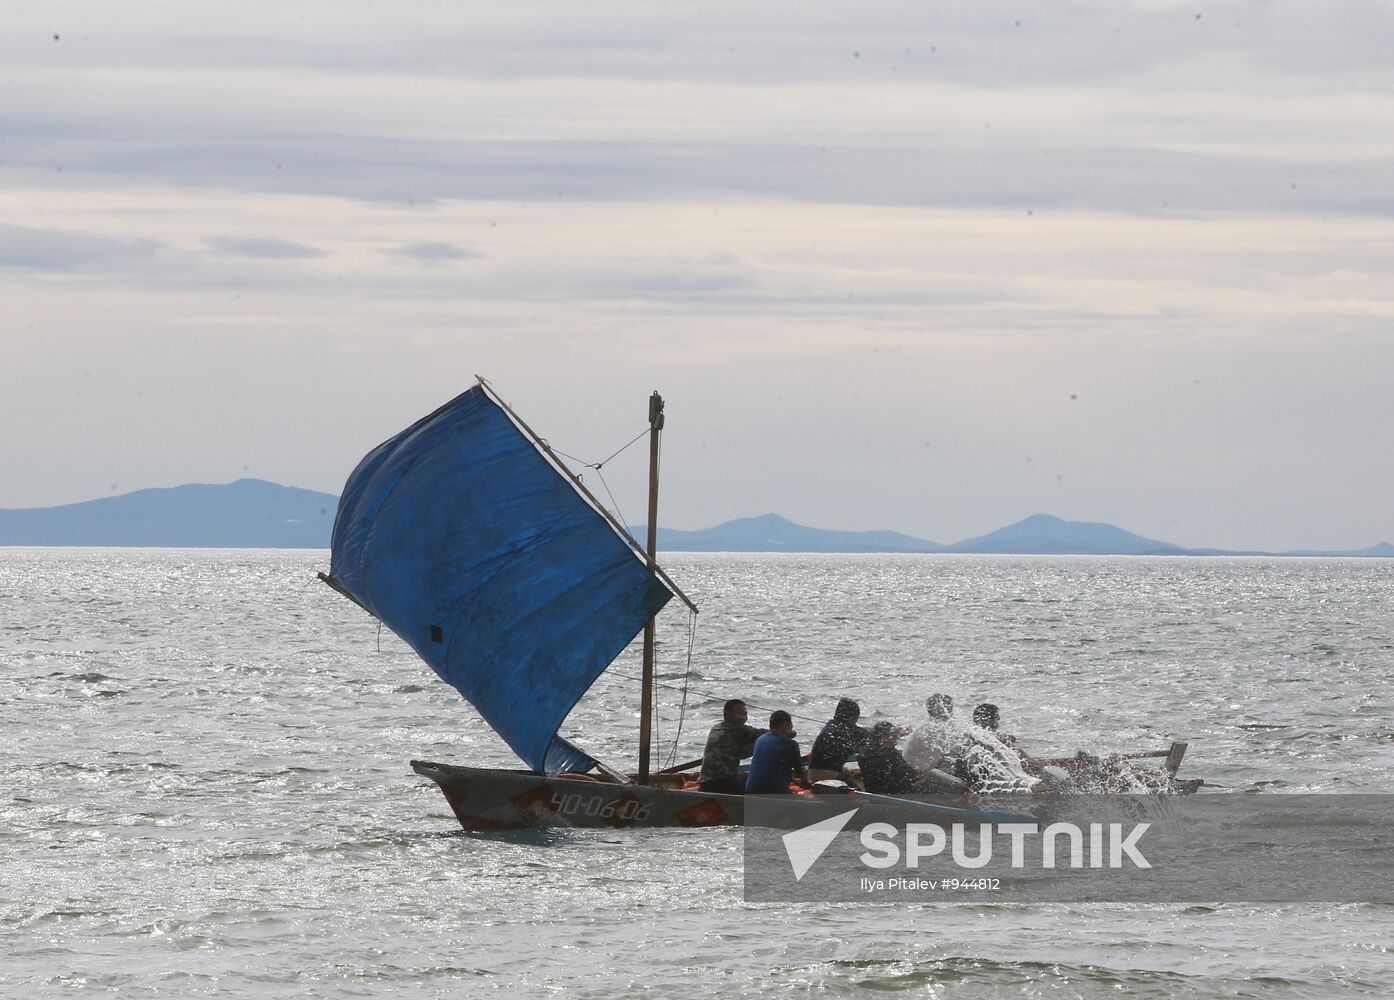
619, 514
655, 741
597, 466
635, 438
603, 461
686, 677
714, 697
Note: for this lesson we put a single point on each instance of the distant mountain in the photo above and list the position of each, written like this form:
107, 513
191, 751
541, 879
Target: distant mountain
772, 533
1039, 534
1382, 550
250, 513
1047, 535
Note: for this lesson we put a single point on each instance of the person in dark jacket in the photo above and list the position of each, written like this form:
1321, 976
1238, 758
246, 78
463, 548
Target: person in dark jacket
884, 770
840, 738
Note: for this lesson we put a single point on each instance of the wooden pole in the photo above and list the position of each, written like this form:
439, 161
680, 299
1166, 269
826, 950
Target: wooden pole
646, 706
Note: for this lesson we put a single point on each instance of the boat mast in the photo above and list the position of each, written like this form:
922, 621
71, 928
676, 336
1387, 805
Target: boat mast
646, 705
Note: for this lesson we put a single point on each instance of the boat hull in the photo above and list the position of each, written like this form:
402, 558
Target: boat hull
490, 799
486, 799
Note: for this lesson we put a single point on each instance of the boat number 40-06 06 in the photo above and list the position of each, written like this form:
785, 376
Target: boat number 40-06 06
628, 809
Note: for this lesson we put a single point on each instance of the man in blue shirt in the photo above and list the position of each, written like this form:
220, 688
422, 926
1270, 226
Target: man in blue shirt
776, 760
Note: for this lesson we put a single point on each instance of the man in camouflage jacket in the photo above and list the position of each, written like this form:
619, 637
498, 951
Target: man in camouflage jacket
729, 743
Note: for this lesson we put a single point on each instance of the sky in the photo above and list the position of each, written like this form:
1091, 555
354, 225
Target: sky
922, 266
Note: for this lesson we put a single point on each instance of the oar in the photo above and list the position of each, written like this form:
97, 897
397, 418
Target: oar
1173, 757
959, 813
1062, 761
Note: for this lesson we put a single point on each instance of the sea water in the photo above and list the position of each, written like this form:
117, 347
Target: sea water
207, 791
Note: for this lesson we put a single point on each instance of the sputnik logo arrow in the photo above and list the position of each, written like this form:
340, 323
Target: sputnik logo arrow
807, 844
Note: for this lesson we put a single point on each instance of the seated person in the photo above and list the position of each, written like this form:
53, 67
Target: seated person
939, 743
776, 761
729, 743
988, 717
989, 762
840, 738
884, 770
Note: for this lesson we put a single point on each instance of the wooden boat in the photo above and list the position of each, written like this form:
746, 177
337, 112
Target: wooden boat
485, 799
488, 799
469, 537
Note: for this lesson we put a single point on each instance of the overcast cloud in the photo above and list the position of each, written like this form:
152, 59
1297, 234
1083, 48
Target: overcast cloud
926, 267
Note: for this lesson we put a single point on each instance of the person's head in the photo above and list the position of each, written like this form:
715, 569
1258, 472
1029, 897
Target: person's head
987, 716
884, 734
939, 706
782, 723
734, 711
847, 711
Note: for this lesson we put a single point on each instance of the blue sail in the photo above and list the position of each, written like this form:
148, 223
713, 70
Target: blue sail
465, 541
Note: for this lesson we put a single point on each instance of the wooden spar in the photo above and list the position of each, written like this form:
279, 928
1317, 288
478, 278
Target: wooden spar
335, 584
575, 480
646, 704
1136, 755
685, 766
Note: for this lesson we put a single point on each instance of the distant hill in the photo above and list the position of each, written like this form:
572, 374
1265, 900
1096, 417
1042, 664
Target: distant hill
772, 533
250, 513
1382, 550
1039, 534
1044, 534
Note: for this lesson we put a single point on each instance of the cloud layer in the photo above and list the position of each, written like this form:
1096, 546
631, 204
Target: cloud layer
921, 268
